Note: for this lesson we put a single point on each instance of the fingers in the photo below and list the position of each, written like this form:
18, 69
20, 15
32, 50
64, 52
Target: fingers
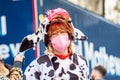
19, 57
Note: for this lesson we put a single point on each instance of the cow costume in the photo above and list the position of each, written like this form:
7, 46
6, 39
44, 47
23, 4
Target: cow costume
59, 61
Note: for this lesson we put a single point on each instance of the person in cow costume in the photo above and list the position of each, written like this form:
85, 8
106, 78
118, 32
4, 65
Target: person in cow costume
59, 62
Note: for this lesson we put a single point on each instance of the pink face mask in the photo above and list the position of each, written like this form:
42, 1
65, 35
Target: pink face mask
61, 42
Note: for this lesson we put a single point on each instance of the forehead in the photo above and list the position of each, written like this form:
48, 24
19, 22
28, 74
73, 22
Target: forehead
55, 27
96, 73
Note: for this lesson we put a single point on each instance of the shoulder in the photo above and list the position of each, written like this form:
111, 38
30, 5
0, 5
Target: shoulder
34, 65
38, 67
42, 60
80, 58
39, 60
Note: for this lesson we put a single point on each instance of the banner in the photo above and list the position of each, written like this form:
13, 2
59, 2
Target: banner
102, 46
16, 21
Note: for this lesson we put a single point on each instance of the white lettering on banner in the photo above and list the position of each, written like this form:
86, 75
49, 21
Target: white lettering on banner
3, 28
12, 48
4, 50
100, 56
78, 47
41, 3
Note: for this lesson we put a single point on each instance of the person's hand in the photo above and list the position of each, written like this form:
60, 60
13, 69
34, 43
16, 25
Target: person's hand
19, 57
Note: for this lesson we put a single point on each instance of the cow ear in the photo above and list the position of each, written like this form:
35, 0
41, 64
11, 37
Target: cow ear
79, 35
26, 44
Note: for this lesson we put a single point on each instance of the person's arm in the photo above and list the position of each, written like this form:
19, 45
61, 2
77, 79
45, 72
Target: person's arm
18, 60
86, 67
16, 71
32, 71
87, 76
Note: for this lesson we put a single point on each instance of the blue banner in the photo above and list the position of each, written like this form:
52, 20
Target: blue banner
16, 21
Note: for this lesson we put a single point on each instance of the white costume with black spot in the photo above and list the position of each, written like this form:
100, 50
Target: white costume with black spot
49, 67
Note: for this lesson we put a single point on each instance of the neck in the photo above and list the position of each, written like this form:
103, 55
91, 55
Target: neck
61, 53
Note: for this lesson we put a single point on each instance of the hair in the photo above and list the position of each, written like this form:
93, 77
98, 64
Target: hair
101, 69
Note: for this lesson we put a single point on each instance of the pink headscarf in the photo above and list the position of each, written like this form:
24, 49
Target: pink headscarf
54, 12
